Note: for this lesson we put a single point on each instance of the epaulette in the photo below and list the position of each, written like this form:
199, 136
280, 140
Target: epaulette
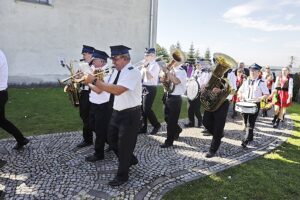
130, 68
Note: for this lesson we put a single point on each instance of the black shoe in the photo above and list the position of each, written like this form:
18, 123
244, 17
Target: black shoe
20, 145
134, 161
189, 125
155, 130
210, 154
84, 144
94, 158
116, 182
199, 125
166, 145
2, 163
206, 132
143, 130
276, 124
245, 143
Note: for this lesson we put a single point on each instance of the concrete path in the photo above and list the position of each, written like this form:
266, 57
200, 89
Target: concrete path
51, 168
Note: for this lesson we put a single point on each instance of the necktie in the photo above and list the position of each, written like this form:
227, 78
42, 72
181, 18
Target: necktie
112, 96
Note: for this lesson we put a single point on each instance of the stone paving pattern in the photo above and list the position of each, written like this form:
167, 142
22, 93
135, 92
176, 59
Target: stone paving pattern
50, 167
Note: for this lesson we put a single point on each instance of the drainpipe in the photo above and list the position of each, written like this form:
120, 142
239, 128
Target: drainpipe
151, 24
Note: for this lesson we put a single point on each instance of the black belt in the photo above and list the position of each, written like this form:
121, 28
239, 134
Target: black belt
171, 95
100, 105
129, 109
3, 90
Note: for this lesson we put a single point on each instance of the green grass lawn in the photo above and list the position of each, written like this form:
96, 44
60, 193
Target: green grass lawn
38, 111
274, 176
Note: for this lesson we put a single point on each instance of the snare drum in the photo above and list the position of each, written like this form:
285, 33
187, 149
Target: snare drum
193, 89
246, 107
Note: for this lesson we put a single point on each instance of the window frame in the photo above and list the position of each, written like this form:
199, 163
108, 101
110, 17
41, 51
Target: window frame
40, 2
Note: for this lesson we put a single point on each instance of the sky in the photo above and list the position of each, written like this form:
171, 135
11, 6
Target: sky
266, 32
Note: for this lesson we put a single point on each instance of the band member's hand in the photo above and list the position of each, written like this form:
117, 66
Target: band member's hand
88, 78
79, 74
216, 90
288, 100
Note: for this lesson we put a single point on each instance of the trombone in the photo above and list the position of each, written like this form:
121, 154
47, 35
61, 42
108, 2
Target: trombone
142, 63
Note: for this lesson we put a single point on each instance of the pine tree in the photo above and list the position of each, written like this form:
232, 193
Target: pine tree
197, 55
191, 58
207, 55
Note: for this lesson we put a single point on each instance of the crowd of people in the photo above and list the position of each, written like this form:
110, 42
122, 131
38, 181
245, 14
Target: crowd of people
118, 107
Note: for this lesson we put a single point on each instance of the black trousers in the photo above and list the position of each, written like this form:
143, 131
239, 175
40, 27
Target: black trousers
4, 123
194, 110
172, 111
99, 118
252, 119
214, 122
147, 111
122, 136
84, 109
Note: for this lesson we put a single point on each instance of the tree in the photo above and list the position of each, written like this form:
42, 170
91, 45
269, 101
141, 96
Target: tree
207, 55
161, 51
191, 58
197, 55
292, 61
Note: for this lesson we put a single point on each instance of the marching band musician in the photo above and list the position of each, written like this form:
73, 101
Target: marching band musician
150, 73
84, 104
172, 102
201, 74
4, 123
215, 121
254, 89
124, 124
284, 91
100, 108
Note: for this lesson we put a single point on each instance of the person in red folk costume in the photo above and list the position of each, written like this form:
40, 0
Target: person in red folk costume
283, 93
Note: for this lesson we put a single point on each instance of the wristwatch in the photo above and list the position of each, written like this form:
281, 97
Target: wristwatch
94, 81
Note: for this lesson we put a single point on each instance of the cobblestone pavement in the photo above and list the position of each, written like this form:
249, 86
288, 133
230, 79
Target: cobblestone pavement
50, 167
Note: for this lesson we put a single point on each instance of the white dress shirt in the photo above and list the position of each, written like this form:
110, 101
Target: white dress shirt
103, 97
153, 69
3, 71
232, 82
180, 73
130, 78
251, 90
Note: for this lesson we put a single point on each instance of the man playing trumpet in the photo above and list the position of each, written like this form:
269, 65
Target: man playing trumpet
126, 90
100, 108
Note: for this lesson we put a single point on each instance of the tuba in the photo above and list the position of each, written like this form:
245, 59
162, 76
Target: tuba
209, 99
177, 57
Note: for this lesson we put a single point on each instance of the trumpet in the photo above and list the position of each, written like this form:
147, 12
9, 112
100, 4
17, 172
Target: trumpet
98, 73
70, 77
143, 63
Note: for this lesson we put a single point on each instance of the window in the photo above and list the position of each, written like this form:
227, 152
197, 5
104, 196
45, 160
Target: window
45, 2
